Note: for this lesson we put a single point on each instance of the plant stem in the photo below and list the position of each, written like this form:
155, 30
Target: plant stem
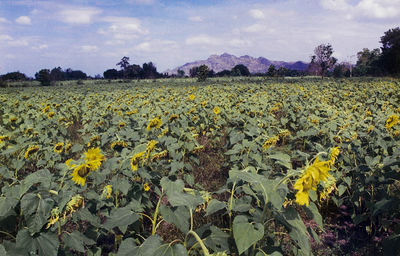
154, 228
203, 247
8, 234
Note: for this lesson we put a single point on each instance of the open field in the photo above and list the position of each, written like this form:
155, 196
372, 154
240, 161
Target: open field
177, 167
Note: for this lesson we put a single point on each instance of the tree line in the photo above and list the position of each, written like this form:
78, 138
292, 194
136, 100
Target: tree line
376, 62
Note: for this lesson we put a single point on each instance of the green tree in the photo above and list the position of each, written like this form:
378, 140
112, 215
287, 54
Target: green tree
369, 62
323, 60
391, 51
271, 70
203, 73
240, 70
124, 64
181, 73
43, 76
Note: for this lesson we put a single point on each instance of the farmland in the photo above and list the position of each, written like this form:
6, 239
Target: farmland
223, 167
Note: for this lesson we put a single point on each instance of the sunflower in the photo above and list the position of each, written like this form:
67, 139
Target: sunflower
13, 119
135, 160
28, 130
118, 145
58, 148
192, 97
54, 217
392, 121
51, 114
151, 145
31, 150
68, 147
80, 173
93, 158
216, 110
312, 176
173, 117
107, 191
4, 138
270, 142
155, 122
121, 125
146, 187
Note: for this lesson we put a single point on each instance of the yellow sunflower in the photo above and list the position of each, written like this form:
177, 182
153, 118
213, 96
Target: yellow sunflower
392, 121
68, 147
155, 122
107, 191
58, 148
80, 174
135, 160
93, 157
216, 110
151, 145
146, 187
31, 150
4, 138
118, 145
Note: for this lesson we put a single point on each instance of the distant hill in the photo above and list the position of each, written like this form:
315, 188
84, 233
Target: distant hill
227, 61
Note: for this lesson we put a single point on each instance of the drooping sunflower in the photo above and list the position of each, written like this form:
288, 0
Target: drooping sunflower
107, 191
31, 150
58, 148
313, 174
270, 142
118, 145
392, 121
135, 160
80, 173
146, 187
51, 114
173, 117
151, 145
155, 122
93, 157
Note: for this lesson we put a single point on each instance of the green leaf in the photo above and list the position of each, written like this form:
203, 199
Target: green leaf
312, 212
214, 205
46, 244
2, 250
76, 241
246, 234
170, 186
6, 205
182, 199
282, 159
39, 218
121, 217
341, 189
179, 216
217, 240
29, 204
127, 247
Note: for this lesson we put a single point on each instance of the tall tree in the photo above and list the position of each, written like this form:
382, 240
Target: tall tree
203, 73
323, 59
240, 70
43, 76
271, 70
369, 62
391, 50
124, 64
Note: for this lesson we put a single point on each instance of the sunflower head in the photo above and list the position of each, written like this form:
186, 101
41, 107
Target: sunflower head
118, 145
135, 160
58, 148
155, 122
80, 173
93, 158
31, 150
68, 147
216, 110
146, 187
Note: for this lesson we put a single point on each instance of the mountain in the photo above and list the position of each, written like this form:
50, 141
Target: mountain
227, 61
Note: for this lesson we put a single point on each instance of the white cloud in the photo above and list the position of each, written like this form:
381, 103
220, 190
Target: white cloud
202, 40
240, 43
78, 15
89, 48
255, 28
156, 46
196, 18
379, 9
40, 47
335, 5
24, 20
18, 43
5, 38
123, 28
256, 14
3, 20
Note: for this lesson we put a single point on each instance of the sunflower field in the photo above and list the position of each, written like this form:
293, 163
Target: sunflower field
223, 167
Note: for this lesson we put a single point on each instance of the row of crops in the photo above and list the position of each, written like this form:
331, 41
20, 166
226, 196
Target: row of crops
231, 168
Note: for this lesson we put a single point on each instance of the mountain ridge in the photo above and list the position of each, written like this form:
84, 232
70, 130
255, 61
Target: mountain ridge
227, 61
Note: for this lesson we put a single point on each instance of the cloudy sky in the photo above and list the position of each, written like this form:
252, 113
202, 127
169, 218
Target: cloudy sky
93, 35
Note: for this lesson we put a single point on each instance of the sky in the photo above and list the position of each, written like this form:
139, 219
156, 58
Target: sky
93, 35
